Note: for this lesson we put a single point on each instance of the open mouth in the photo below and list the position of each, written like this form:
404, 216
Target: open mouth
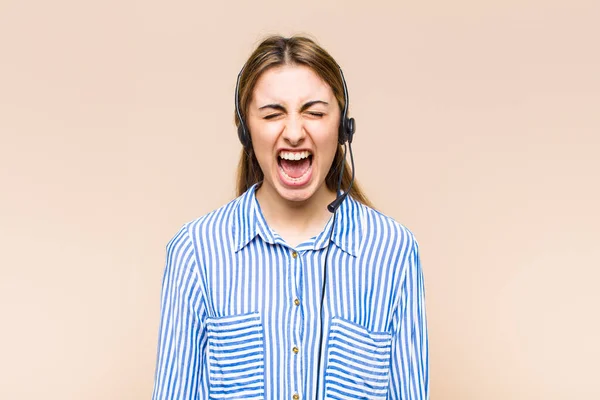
295, 165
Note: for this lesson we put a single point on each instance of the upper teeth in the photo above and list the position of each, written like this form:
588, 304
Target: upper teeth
288, 155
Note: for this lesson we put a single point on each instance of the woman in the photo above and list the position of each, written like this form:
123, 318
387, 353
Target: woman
274, 297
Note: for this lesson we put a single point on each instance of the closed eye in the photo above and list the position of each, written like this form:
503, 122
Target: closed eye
316, 114
271, 116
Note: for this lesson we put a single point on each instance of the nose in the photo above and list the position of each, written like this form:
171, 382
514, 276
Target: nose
294, 132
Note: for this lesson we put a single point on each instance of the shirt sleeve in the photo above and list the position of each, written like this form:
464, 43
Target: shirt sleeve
179, 358
409, 375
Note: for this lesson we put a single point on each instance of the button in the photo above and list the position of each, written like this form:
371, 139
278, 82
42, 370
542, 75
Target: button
296, 396
297, 302
294, 254
295, 350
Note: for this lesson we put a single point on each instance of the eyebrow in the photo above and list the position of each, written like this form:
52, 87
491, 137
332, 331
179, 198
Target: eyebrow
304, 107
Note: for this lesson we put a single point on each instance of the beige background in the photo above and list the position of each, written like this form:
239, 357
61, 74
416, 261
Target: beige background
478, 128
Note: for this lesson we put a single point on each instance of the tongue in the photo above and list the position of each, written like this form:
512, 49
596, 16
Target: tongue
295, 169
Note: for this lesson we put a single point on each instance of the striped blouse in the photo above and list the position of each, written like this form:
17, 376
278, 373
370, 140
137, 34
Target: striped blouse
240, 310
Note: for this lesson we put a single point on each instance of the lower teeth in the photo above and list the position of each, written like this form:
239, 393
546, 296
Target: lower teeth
294, 179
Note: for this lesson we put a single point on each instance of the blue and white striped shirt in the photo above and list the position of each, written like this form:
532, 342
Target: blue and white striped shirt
240, 310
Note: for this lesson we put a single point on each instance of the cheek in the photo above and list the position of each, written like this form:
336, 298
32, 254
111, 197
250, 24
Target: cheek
262, 140
265, 133
325, 136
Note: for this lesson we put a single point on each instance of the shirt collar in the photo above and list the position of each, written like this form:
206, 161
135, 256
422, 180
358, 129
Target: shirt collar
249, 222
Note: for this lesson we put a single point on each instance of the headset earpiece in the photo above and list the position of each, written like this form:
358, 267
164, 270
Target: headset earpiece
350, 128
347, 129
243, 135
342, 132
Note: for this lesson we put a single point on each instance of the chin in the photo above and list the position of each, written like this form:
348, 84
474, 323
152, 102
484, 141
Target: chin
295, 194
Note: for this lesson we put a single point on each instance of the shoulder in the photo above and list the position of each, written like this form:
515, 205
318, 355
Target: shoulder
386, 230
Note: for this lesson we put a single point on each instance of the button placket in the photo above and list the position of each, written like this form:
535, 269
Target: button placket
297, 356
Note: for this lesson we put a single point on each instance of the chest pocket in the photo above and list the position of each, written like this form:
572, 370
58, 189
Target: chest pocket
236, 364
358, 362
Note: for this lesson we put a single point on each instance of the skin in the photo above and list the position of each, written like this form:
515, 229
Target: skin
292, 108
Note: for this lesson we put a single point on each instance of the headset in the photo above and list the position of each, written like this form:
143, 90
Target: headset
346, 131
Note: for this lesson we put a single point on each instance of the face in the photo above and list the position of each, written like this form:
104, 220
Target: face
293, 119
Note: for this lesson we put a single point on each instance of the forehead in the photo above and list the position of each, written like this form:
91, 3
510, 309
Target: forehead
291, 84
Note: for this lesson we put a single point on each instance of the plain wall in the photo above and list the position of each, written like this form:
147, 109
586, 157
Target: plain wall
478, 128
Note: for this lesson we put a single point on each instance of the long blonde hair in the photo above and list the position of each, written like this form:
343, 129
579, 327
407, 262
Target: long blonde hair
276, 51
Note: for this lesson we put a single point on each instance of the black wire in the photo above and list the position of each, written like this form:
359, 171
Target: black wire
339, 193
352, 163
339, 187
322, 301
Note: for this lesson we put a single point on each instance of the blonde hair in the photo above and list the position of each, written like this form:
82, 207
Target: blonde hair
296, 50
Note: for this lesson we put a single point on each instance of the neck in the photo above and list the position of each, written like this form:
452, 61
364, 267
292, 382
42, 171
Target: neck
294, 219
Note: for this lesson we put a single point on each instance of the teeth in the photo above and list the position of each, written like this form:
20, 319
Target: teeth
294, 156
